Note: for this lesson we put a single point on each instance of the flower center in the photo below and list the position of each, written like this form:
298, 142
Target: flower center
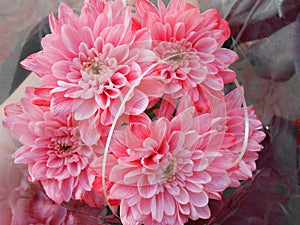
64, 148
64, 144
169, 172
173, 53
175, 59
94, 68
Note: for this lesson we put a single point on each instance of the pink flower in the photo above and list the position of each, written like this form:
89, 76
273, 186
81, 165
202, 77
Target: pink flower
52, 148
228, 125
159, 170
190, 42
235, 123
90, 61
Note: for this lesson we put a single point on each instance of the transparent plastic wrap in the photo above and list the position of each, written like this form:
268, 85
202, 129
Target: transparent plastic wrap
266, 37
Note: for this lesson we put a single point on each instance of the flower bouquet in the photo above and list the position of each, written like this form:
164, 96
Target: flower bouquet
132, 122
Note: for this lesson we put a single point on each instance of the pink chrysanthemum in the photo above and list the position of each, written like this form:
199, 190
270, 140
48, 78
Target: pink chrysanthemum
53, 149
228, 134
90, 61
157, 169
160, 173
190, 42
235, 127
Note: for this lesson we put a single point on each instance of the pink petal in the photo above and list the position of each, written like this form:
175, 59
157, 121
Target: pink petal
144, 6
67, 188
137, 104
160, 205
61, 105
90, 129
71, 38
147, 191
203, 212
144, 205
122, 191
182, 197
55, 162
198, 199
52, 190
169, 207
152, 88
38, 170
61, 68
140, 131
84, 108
74, 169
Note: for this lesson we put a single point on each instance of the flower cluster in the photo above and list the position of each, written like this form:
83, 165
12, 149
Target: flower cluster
131, 107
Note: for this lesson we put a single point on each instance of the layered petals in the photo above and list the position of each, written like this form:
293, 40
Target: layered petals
189, 44
90, 61
52, 149
159, 170
141, 96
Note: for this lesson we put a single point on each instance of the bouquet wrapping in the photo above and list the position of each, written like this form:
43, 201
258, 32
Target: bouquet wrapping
132, 116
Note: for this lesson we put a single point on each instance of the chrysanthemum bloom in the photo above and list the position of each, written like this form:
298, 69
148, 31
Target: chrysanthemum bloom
91, 61
52, 148
224, 143
158, 170
227, 136
235, 128
190, 42
212, 140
